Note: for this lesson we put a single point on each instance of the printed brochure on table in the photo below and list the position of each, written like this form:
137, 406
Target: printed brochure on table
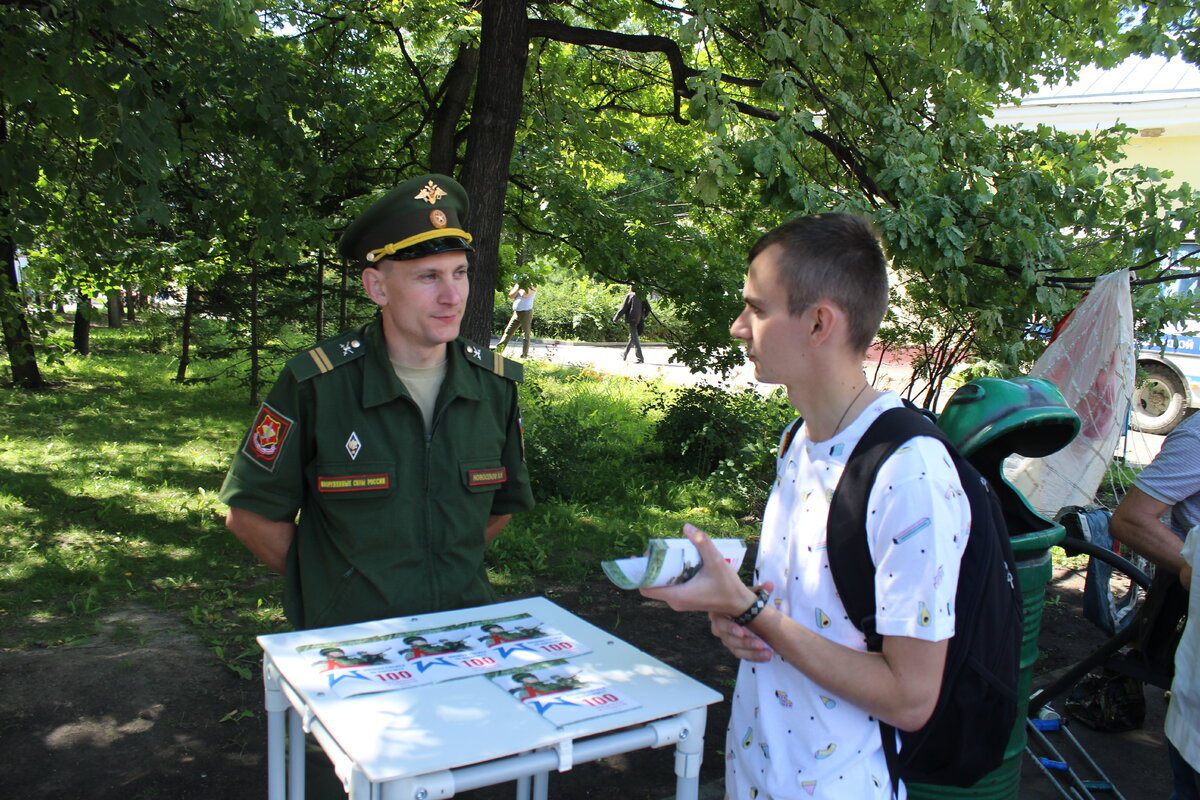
414, 658
562, 693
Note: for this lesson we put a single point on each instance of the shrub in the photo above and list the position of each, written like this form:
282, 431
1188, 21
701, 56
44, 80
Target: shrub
705, 425
585, 439
980, 369
727, 437
579, 309
573, 309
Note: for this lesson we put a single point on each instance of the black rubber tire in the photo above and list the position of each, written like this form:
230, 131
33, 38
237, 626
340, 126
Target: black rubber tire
1159, 401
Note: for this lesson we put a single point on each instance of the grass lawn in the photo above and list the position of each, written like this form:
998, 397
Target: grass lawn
109, 481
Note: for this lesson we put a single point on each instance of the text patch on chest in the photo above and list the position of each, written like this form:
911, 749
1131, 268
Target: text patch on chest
484, 477
353, 483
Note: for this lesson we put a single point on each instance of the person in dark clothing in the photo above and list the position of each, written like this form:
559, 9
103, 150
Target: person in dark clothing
635, 310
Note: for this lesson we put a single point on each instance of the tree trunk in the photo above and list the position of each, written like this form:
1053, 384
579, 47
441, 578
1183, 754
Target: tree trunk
344, 307
132, 297
81, 330
185, 333
114, 308
17, 339
320, 276
454, 92
254, 333
504, 50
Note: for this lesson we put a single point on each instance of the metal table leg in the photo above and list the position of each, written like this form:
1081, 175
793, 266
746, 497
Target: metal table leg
295, 769
689, 752
277, 708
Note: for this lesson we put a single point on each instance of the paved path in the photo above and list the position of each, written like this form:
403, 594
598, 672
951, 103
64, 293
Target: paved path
607, 357
1136, 450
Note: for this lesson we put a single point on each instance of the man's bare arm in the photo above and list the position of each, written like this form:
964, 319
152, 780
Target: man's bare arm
267, 539
1137, 522
495, 524
899, 685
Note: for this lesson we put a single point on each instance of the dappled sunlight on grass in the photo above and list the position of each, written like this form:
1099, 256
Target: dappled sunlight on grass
110, 480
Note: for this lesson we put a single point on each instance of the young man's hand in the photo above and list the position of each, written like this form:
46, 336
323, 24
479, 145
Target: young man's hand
738, 640
718, 590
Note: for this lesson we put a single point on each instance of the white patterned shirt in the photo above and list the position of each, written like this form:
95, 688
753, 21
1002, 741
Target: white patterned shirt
789, 737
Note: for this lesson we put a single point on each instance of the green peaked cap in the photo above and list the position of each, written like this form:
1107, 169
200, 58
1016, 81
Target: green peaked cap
418, 218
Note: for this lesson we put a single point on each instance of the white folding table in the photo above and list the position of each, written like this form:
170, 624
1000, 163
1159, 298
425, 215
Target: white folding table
431, 741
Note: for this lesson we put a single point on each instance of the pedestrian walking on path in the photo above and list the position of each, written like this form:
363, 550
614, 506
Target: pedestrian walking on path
522, 298
635, 310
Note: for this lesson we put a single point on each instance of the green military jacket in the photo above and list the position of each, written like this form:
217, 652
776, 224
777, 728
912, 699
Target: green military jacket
391, 520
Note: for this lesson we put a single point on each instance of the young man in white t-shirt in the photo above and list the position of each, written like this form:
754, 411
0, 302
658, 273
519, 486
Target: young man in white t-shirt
804, 722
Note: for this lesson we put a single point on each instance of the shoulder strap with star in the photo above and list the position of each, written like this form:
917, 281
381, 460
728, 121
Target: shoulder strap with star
492, 362
328, 355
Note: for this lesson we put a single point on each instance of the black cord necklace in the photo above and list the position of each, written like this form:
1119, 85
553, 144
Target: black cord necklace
842, 419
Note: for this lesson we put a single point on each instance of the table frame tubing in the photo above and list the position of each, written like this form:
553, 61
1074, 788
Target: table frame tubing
684, 730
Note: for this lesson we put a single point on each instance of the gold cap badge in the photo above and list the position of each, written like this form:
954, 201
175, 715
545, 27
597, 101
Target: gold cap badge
430, 193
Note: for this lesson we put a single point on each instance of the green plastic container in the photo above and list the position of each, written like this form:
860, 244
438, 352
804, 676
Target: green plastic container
990, 419
1033, 573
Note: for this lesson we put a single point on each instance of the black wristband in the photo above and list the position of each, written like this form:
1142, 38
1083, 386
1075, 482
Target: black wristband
751, 613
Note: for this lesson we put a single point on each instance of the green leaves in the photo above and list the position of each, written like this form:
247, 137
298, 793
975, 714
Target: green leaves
258, 129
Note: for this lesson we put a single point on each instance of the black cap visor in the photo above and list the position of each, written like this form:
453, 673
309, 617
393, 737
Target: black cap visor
430, 247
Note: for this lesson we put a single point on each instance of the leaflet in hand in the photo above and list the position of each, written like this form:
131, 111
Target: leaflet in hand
415, 658
563, 694
668, 562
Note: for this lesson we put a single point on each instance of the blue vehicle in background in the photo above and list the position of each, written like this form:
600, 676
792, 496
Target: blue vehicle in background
1169, 375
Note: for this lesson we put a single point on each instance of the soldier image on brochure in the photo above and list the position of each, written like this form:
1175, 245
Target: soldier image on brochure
419, 646
562, 693
530, 685
337, 658
495, 633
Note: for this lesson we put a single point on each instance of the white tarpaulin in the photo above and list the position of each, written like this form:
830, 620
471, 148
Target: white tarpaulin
1092, 362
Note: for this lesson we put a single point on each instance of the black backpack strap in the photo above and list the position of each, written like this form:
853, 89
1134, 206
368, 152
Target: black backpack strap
846, 529
846, 533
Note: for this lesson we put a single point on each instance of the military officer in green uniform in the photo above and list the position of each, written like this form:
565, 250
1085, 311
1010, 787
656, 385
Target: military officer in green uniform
384, 460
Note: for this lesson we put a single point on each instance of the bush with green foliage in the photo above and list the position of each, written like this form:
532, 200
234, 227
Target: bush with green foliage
706, 424
981, 369
585, 440
725, 435
577, 309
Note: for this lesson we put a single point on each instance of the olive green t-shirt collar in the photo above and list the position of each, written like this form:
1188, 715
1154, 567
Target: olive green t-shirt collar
380, 385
